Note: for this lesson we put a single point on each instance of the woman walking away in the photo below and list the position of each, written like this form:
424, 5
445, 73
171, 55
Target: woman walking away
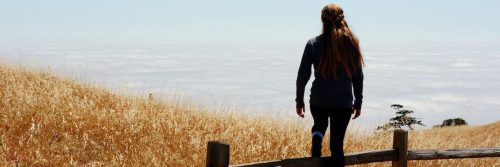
337, 61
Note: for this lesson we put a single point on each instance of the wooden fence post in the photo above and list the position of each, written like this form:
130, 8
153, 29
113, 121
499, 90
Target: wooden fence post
217, 154
400, 143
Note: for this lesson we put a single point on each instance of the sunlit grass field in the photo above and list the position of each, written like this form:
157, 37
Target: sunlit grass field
49, 120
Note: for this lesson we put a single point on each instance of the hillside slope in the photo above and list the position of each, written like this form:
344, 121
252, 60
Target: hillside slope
46, 120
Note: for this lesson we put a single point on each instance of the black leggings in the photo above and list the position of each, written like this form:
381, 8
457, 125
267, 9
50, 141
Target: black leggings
339, 119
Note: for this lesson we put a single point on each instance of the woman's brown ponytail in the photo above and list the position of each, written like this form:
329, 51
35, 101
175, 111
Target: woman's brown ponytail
340, 47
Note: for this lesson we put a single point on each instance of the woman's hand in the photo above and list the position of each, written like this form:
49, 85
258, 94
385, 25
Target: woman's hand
301, 111
356, 112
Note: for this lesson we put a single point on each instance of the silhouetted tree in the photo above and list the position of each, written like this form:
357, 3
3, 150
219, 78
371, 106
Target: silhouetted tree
452, 122
401, 119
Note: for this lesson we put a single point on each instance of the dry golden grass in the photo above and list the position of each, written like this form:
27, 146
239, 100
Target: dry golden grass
53, 121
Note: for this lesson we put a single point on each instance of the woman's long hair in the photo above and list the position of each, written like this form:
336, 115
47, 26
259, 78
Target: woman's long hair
339, 45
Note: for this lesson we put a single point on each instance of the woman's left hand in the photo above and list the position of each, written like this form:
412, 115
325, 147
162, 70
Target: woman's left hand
300, 111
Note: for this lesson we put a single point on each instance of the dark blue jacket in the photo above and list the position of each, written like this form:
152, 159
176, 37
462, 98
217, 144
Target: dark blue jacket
327, 92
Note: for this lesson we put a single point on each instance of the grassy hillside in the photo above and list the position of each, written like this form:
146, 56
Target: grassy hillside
46, 120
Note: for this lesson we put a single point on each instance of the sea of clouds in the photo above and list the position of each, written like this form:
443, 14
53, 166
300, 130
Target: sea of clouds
436, 82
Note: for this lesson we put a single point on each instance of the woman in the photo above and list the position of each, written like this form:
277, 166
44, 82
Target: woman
338, 62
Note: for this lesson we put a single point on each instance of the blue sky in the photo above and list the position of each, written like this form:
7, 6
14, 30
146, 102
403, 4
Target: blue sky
385, 22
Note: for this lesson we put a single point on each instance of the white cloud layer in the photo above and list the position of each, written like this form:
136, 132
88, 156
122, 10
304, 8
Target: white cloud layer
438, 83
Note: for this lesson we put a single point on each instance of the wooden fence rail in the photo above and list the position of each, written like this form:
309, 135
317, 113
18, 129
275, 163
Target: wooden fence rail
218, 155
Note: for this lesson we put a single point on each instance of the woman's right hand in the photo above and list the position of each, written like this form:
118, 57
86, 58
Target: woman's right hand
300, 111
356, 112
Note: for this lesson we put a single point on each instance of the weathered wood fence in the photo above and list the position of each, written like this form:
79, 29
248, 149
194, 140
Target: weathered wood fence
218, 155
